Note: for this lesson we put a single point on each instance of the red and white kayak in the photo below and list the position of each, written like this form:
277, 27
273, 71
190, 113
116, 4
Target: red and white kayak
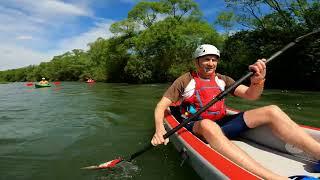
259, 143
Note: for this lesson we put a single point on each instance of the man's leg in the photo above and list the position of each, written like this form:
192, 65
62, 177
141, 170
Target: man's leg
218, 141
283, 127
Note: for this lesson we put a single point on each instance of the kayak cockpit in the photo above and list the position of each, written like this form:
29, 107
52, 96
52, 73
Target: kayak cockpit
259, 143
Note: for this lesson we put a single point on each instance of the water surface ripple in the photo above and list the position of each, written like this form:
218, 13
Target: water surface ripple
50, 133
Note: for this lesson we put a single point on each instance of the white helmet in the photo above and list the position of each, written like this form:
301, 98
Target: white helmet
43, 78
206, 49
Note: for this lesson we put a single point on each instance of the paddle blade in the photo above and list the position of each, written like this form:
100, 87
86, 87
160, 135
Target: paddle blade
29, 84
56, 83
109, 164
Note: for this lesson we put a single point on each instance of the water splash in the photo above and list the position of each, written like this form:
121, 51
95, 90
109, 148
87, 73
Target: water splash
124, 170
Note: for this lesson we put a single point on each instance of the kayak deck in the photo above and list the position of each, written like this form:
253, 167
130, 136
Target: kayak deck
278, 162
42, 85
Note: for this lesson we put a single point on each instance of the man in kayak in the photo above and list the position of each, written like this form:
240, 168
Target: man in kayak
43, 81
193, 90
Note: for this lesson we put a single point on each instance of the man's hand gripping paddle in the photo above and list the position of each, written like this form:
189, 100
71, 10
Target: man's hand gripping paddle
220, 96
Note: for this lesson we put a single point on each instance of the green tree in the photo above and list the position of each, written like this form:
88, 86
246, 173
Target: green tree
227, 20
145, 13
270, 31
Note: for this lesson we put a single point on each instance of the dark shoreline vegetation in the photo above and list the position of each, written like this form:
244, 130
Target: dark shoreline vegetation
149, 49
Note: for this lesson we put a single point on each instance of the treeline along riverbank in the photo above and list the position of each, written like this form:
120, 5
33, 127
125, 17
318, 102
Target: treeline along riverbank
147, 49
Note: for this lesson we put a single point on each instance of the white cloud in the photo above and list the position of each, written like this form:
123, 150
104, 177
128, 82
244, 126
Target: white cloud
12, 56
47, 7
15, 56
24, 37
80, 41
57, 7
39, 20
34, 31
12, 20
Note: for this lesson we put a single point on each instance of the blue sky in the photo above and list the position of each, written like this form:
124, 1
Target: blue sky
34, 31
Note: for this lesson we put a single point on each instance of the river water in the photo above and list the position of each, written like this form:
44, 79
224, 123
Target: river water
50, 133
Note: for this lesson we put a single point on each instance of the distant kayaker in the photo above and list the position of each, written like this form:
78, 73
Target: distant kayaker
90, 80
193, 90
43, 81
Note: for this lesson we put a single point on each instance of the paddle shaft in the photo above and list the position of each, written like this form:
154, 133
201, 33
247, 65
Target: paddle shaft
220, 96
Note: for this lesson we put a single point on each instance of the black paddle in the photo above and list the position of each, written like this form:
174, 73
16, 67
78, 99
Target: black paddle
220, 96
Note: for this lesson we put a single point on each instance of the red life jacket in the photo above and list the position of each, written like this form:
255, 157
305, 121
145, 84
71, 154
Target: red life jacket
205, 91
